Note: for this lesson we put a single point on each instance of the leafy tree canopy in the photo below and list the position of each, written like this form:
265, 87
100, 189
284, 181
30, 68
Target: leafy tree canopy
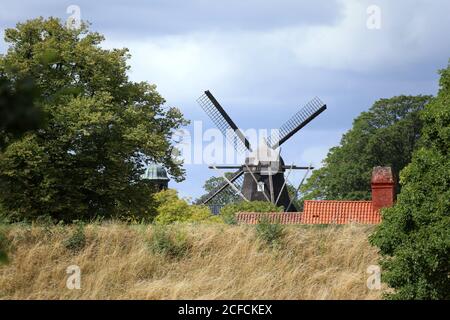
385, 135
18, 112
227, 196
101, 128
170, 208
414, 236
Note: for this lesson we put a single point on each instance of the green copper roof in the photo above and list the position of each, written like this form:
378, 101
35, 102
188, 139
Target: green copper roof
155, 172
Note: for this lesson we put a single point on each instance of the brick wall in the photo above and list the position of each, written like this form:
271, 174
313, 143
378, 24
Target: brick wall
383, 187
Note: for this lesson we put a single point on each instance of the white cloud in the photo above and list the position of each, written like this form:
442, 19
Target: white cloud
180, 65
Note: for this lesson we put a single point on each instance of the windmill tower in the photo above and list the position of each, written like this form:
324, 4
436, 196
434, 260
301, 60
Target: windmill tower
262, 176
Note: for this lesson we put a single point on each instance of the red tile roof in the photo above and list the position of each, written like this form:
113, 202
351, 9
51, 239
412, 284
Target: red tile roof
319, 212
339, 212
279, 217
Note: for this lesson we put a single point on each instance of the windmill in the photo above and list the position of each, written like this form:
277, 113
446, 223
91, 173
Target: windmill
262, 176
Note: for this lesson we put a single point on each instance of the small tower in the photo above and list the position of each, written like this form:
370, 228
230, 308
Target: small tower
157, 175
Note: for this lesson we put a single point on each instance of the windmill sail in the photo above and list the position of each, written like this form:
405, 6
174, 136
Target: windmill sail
223, 122
311, 110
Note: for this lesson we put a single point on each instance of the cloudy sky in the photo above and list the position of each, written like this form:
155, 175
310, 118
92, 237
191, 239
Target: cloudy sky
263, 59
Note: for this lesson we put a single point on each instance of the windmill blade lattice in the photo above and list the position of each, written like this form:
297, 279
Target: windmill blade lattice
311, 110
237, 179
223, 122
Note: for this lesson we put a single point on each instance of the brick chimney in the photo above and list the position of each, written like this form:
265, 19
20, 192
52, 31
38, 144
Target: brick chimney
383, 188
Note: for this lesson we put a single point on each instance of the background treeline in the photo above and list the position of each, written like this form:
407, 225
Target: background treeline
385, 135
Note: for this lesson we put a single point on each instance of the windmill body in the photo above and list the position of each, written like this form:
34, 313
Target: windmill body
260, 188
262, 176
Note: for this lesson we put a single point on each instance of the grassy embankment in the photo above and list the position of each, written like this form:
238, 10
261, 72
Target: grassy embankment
203, 261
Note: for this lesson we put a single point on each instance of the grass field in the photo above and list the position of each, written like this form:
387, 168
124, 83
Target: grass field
203, 261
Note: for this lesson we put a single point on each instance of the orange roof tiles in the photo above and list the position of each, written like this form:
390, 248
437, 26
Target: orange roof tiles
319, 212
279, 217
339, 212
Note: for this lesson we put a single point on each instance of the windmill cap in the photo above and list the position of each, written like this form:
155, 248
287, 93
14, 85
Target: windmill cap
264, 153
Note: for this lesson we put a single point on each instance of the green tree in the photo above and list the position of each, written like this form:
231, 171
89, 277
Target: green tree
414, 236
294, 195
225, 197
385, 135
101, 128
170, 208
18, 112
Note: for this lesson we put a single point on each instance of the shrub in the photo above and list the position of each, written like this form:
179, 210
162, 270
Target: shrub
271, 233
77, 240
169, 242
3, 216
229, 211
199, 213
45, 221
4, 244
170, 208
4, 219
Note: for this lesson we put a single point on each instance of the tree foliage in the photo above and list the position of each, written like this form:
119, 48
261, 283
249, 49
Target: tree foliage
169, 242
225, 197
18, 112
170, 208
385, 135
414, 236
270, 233
4, 245
101, 128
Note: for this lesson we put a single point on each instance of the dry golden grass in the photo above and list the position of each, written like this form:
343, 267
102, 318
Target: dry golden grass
223, 262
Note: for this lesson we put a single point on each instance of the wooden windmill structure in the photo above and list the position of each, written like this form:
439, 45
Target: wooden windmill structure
262, 176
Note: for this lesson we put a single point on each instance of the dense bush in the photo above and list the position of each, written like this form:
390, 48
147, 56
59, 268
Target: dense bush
170, 208
271, 233
414, 236
4, 244
229, 211
3, 215
77, 240
169, 242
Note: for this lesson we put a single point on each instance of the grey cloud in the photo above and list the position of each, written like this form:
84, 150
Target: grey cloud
136, 18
